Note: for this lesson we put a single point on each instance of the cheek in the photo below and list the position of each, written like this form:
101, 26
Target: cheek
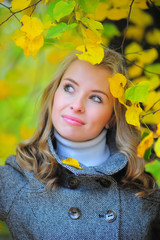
57, 103
104, 115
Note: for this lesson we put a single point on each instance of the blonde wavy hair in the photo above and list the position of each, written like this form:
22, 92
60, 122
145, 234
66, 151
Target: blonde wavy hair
33, 154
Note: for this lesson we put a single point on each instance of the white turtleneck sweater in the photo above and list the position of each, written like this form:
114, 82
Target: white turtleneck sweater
90, 153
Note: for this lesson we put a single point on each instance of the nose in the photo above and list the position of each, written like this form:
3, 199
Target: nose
78, 105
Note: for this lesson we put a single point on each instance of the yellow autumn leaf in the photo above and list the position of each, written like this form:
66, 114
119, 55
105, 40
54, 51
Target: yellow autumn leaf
151, 118
153, 37
91, 53
158, 130
139, 79
31, 26
91, 36
4, 89
148, 56
19, 38
135, 32
132, 115
31, 47
142, 4
122, 100
152, 98
140, 18
1, 0
132, 50
117, 84
144, 145
153, 101
116, 13
135, 70
72, 162
26, 132
101, 11
157, 147
120, 4
154, 82
19, 5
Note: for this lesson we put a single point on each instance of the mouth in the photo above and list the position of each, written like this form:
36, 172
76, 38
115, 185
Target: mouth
73, 120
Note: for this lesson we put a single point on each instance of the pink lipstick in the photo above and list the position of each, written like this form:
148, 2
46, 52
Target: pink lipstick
73, 120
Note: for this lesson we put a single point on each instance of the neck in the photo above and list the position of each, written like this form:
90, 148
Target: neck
90, 153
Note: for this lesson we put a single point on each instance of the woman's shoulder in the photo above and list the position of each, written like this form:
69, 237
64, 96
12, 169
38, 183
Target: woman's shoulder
11, 170
13, 174
12, 180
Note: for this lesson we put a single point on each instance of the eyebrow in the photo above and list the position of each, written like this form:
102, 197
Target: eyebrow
96, 91
71, 80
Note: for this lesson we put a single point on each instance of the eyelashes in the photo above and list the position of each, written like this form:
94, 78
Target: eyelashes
96, 98
70, 89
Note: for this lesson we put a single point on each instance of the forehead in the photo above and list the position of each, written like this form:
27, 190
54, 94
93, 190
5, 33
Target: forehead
84, 68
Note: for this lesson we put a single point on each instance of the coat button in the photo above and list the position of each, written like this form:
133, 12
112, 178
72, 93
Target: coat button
74, 213
104, 182
110, 216
73, 182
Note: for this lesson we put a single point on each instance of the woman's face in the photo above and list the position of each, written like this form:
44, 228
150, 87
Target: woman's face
82, 103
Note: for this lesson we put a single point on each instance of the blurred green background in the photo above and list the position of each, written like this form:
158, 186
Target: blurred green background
22, 80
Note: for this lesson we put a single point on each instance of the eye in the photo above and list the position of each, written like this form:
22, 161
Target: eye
68, 88
96, 99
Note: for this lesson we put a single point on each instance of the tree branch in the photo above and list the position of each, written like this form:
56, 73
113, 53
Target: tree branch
126, 29
141, 67
9, 8
142, 116
14, 13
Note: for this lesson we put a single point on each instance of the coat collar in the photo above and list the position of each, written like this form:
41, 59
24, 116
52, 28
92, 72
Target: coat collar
115, 163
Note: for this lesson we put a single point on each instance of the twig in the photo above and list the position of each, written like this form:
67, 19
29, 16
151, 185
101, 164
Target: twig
141, 67
125, 34
154, 104
10, 11
33, 10
142, 116
138, 52
13, 13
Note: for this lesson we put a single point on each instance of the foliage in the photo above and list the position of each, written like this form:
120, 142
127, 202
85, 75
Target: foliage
72, 162
45, 31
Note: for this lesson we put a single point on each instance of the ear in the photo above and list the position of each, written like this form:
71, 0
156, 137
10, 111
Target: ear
107, 125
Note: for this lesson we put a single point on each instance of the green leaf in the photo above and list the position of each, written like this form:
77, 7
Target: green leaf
138, 93
88, 6
148, 151
92, 24
57, 30
49, 41
51, 7
154, 169
148, 154
155, 68
110, 30
62, 9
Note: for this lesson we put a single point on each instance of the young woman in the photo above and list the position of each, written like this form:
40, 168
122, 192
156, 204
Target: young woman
79, 177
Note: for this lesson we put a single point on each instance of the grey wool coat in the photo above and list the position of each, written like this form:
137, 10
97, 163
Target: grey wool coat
89, 203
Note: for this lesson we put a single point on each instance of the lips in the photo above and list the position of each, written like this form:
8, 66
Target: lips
72, 120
